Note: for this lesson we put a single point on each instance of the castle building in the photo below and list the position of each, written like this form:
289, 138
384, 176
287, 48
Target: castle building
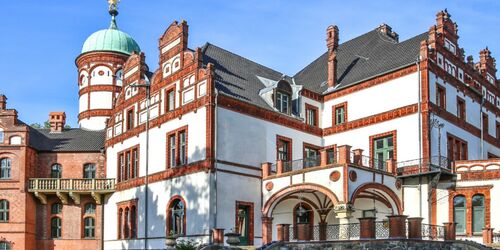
210, 141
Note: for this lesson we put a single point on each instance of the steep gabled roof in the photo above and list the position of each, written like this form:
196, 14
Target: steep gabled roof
70, 140
361, 58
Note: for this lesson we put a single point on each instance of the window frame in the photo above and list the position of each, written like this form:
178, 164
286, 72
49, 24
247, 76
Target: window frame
335, 115
464, 209
170, 219
127, 219
89, 228
482, 208
130, 118
372, 140
461, 109
314, 121
5, 168
288, 141
456, 148
58, 228
4, 211
92, 170
440, 96
128, 170
168, 106
311, 161
2, 136
56, 173
174, 154
280, 100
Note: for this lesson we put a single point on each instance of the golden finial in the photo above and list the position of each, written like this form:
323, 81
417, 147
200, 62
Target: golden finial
113, 7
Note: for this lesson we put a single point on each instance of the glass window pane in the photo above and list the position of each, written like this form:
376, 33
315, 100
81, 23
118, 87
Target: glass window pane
56, 171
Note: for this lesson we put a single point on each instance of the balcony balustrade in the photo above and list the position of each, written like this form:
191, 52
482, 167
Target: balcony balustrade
73, 188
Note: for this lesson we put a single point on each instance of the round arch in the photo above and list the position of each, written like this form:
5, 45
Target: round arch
285, 192
377, 186
169, 213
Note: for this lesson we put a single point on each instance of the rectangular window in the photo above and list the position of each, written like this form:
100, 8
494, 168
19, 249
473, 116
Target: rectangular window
182, 148
311, 115
461, 108
128, 164
485, 124
170, 100
135, 163
330, 153
383, 149
311, 157
339, 114
441, 97
177, 147
284, 147
130, 119
457, 148
282, 102
172, 149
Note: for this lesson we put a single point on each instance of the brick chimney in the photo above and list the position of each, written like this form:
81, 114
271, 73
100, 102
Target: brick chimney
57, 121
387, 30
3, 102
332, 42
487, 63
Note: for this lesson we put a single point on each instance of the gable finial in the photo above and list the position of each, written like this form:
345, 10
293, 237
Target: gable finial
113, 7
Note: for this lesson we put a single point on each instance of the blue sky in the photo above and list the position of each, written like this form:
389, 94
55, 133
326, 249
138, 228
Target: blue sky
41, 39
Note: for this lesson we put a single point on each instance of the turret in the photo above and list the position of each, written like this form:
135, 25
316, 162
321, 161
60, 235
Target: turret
100, 72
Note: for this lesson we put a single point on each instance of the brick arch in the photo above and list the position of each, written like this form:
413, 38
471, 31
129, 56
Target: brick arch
380, 187
283, 193
169, 214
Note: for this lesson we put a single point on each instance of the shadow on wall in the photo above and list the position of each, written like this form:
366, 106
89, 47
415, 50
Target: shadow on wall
193, 190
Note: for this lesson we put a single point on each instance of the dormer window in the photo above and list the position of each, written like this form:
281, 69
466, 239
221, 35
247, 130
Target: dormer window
283, 100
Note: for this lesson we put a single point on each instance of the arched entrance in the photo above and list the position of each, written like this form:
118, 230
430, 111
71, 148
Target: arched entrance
303, 209
375, 200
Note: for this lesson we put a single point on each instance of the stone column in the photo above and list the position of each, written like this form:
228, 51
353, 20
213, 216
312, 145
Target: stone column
267, 230
367, 228
324, 157
358, 153
303, 231
266, 169
449, 231
344, 152
344, 214
415, 228
286, 232
397, 226
391, 166
279, 167
218, 236
322, 230
487, 235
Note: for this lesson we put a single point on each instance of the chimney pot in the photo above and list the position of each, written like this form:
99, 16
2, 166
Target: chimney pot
57, 121
332, 43
3, 102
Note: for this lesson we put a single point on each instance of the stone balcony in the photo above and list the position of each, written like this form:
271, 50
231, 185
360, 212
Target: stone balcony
70, 188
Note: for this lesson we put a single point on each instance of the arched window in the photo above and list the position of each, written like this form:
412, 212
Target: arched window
120, 223
303, 214
133, 216
55, 227
282, 99
89, 171
176, 217
4, 210
459, 213
56, 208
5, 165
5, 245
89, 227
89, 208
477, 213
126, 228
56, 171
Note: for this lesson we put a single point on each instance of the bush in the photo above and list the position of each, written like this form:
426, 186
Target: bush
186, 245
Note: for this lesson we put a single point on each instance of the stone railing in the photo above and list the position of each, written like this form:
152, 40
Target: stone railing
477, 165
55, 184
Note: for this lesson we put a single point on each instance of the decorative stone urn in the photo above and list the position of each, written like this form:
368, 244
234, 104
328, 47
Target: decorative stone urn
171, 241
233, 238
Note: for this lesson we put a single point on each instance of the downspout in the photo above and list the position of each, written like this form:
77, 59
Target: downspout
482, 126
419, 134
102, 224
215, 156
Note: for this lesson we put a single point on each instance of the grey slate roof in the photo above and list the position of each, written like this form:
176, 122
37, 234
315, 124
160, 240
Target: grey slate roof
236, 76
70, 140
359, 59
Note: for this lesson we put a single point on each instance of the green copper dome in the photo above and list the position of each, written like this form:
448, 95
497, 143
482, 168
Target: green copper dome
111, 39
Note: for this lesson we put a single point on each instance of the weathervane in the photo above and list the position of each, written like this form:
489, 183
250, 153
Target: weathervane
113, 7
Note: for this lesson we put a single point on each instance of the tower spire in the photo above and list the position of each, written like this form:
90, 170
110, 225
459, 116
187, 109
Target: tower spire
113, 11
